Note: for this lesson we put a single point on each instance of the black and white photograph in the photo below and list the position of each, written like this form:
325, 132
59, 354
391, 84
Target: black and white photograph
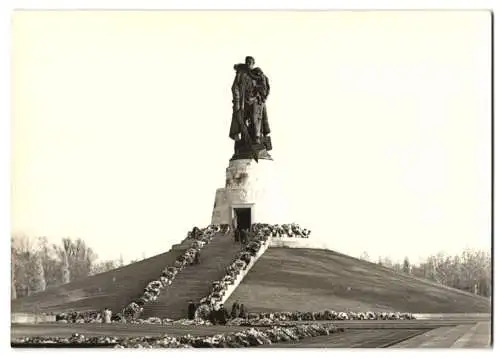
245, 178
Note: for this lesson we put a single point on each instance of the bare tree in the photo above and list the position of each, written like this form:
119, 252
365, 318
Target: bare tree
387, 262
470, 271
80, 258
22, 249
364, 256
13, 294
37, 282
105, 266
66, 275
36, 265
120, 262
51, 261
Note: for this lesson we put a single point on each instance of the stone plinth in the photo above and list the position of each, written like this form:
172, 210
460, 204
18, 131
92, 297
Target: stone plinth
249, 185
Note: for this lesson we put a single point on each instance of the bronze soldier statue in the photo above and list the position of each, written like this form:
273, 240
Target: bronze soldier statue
249, 125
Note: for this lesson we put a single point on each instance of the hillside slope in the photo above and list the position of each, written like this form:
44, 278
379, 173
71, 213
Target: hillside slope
113, 289
312, 279
282, 280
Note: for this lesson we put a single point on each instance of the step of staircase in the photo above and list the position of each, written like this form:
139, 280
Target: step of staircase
194, 282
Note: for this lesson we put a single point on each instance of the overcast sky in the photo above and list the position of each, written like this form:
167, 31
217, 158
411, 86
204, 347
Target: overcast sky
380, 125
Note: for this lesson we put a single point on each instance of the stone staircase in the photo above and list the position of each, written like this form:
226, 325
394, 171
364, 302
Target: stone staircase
194, 282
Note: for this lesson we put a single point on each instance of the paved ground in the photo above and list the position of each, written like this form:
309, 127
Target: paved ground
354, 338
455, 332
473, 335
467, 332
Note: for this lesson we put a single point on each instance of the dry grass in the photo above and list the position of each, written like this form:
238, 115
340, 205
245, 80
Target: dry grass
113, 289
311, 279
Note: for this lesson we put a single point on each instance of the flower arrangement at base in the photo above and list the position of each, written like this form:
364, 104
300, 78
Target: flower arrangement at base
248, 338
284, 230
192, 322
80, 317
274, 318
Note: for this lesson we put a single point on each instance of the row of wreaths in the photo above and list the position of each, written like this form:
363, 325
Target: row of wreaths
247, 338
284, 230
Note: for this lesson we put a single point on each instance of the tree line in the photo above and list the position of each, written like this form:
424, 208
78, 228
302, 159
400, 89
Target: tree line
37, 265
468, 271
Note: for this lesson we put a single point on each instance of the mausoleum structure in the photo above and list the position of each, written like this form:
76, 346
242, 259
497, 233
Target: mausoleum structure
251, 192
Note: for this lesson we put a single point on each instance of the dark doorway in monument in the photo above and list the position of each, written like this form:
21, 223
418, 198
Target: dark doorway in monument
243, 217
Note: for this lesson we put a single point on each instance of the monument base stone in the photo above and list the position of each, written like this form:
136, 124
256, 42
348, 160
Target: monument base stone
252, 185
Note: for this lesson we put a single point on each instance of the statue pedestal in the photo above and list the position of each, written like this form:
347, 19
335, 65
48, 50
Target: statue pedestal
249, 185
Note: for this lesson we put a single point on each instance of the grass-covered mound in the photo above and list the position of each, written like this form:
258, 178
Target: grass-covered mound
113, 289
314, 280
